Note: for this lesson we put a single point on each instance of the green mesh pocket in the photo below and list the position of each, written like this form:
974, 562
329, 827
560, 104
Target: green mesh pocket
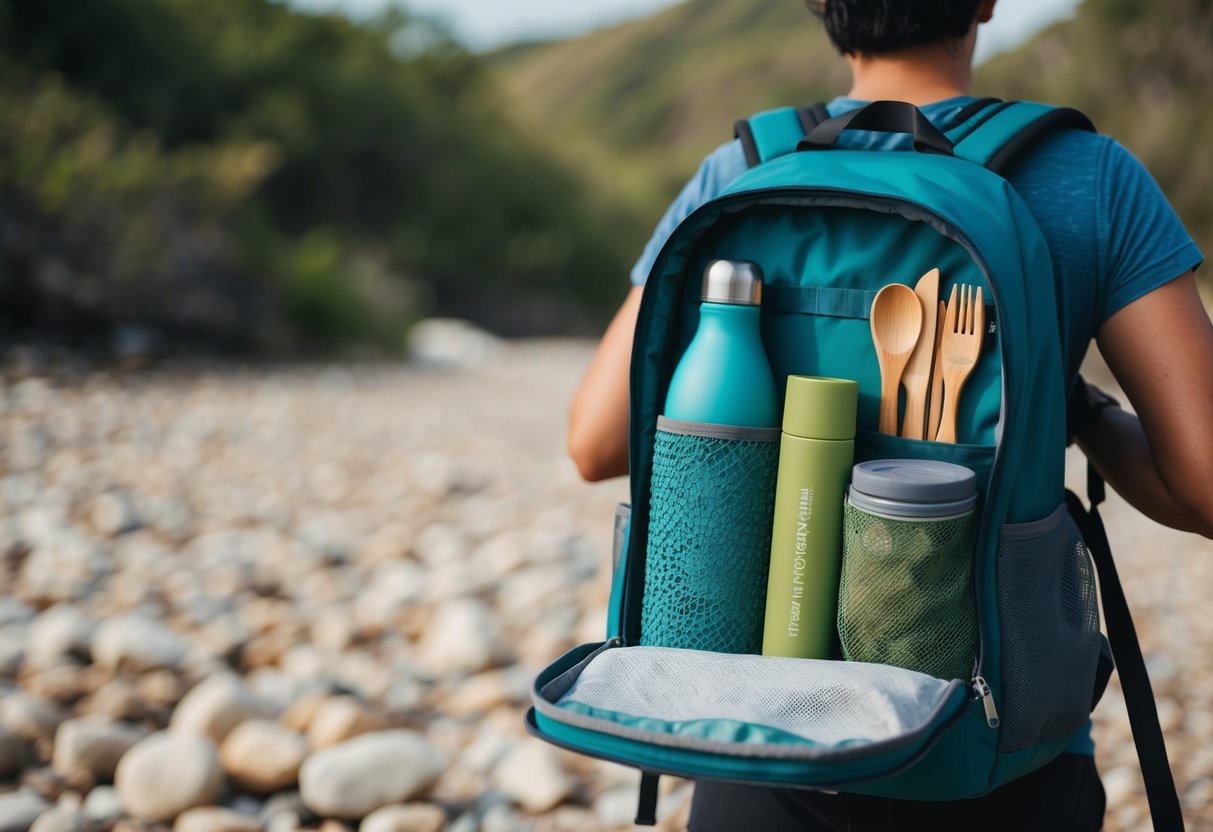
709, 541
906, 594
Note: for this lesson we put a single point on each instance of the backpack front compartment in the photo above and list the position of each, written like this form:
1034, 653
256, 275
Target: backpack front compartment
749, 718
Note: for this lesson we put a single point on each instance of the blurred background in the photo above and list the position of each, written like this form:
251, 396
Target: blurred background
293, 296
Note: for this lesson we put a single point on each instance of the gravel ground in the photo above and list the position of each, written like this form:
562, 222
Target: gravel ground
314, 597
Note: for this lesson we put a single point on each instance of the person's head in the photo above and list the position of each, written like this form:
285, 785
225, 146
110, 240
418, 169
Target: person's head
884, 27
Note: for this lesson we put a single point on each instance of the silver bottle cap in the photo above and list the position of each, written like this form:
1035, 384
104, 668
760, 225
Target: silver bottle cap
733, 281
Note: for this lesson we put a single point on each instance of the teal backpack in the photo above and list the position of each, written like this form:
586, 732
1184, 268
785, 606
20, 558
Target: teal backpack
829, 226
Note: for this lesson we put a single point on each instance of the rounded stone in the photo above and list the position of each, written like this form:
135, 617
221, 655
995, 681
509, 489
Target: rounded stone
165, 774
91, 746
215, 819
340, 718
412, 817
531, 775
137, 643
215, 706
62, 819
263, 756
355, 778
19, 810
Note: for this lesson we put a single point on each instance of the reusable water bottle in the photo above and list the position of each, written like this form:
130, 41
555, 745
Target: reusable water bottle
815, 456
724, 377
713, 478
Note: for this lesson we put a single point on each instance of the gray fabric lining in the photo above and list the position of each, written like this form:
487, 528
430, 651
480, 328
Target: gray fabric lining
736, 433
546, 699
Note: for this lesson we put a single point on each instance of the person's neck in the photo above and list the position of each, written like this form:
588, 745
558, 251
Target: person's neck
919, 76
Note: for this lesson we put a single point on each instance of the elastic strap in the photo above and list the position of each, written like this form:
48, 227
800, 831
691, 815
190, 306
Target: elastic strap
1134, 680
646, 804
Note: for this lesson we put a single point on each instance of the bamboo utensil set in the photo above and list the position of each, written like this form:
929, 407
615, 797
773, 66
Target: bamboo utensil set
927, 349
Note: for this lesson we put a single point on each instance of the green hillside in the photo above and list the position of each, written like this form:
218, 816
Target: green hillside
1142, 73
639, 104
644, 101
239, 173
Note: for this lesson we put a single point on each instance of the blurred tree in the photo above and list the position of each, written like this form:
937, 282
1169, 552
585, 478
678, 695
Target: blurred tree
380, 176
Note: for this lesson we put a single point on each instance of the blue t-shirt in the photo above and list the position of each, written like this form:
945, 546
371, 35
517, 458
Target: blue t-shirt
1112, 234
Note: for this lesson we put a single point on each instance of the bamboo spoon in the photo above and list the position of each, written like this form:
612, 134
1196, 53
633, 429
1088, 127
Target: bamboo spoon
917, 376
962, 333
896, 321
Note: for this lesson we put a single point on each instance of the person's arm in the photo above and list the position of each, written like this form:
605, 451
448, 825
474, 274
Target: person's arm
598, 417
1160, 348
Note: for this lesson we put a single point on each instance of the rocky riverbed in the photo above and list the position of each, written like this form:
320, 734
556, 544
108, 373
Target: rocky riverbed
262, 600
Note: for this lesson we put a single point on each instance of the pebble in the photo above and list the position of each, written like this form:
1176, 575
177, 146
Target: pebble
450, 344
103, 805
13, 753
217, 705
165, 774
62, 819
263, 756
361, 534
485, 691
92, 746
112, 513
215, 819
29, 718
411, 817
137, 643
616, 807
355, 778
339, 718
1120, 783
532, 776
61, 632
459, 639
19, 810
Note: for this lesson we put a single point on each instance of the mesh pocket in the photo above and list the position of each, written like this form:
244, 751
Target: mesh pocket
1050, 630
709, 540
906, 597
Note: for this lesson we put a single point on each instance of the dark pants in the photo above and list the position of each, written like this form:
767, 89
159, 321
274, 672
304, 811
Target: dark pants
1065, 796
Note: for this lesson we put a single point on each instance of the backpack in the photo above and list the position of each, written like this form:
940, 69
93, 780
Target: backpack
829, 226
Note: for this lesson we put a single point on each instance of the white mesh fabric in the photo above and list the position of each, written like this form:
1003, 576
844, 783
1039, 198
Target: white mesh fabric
827, 702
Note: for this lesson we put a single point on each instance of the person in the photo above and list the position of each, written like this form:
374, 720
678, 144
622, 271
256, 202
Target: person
1124, 266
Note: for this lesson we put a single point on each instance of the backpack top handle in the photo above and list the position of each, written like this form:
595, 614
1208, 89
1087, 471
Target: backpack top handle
883, 117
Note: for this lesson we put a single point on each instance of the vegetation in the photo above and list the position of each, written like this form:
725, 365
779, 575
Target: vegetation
270, 178
258, 177
648, 99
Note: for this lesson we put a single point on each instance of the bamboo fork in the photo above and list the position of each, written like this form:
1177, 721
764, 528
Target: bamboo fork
963, 328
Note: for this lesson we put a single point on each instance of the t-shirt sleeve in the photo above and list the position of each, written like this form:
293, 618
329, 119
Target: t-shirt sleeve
1147, 244
717, 170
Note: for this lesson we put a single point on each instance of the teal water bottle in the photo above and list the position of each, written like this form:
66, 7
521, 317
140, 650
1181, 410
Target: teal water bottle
724, 377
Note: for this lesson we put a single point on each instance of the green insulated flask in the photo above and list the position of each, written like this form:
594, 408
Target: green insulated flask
816, 452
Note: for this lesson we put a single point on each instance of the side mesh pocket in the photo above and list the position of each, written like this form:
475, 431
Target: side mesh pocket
1050, 630
709, 537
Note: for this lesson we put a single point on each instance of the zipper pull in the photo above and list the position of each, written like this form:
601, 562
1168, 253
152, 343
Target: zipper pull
987, 700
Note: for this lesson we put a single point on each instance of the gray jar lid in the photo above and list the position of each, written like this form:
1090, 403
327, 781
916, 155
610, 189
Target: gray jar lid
913, 488
733, 281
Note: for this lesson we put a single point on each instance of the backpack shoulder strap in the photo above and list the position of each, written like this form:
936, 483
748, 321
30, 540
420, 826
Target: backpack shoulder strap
773, 133
994, 134
1161, 795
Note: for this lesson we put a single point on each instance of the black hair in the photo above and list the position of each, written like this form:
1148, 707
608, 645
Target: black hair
880, 27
